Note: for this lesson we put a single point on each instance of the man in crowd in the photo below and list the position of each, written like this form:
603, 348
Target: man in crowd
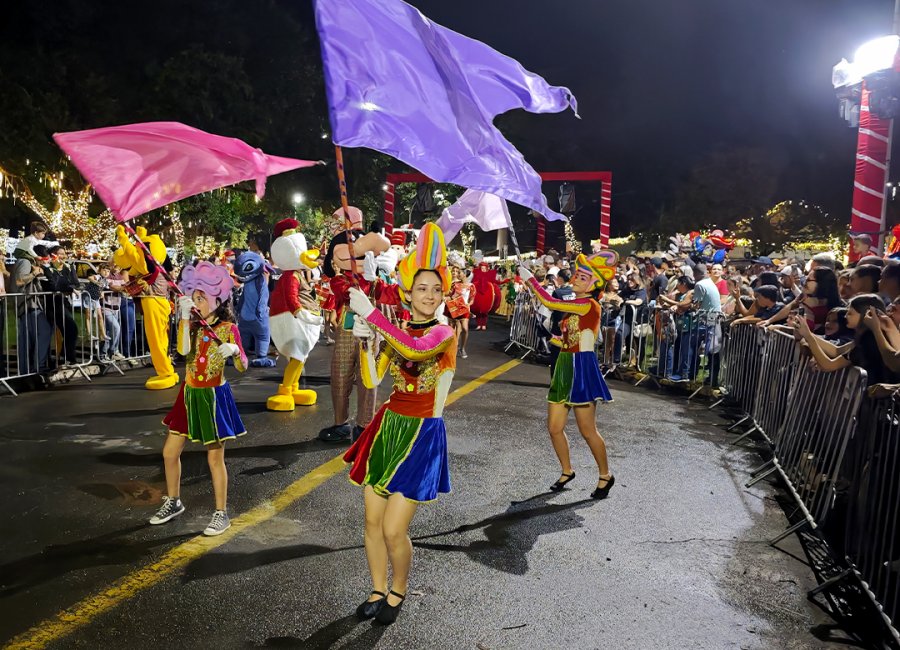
864, 279
709, 304
60, 279
767, 305
34, 330
889, 285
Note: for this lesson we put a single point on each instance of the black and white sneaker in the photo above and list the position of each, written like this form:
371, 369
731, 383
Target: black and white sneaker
218, 525
171, 508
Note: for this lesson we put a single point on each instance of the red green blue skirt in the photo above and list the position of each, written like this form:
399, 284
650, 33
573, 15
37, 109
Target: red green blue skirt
399, 454
205, 415
577, 380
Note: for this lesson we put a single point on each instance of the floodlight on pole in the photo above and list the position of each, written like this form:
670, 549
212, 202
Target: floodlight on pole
298, 198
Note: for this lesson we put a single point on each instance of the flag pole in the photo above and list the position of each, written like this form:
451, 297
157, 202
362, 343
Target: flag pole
170, 281
345, 205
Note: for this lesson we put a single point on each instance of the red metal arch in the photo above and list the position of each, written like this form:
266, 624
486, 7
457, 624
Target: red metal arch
604, 178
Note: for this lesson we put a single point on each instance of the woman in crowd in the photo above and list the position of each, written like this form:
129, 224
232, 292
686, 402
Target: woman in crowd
836, 330
577, 383
205, 411
610, 320
401, 456
862, 317
820, 295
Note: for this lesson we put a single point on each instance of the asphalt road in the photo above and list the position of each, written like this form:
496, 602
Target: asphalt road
677, 557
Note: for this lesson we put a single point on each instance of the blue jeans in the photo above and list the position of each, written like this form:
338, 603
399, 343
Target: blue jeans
113, 331
666, 359
127, 321
33, 341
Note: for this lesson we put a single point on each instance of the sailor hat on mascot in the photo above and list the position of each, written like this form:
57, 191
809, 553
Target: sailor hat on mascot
150, 289
294, 318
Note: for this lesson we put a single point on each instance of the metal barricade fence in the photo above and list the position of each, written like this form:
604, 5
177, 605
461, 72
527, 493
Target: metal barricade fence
818, 427
780, 357
57, 336
741, 366
682, 347
871, 541
525, 327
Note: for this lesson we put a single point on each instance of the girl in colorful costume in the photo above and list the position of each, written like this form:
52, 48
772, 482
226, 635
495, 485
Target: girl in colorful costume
577, 382
401, 456
459, 304
205, 411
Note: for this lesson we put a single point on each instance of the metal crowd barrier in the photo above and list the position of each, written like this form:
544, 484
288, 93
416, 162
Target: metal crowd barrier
779, 360
741, 368
818, 427
58, 336
871, 542
525, 327
680, 347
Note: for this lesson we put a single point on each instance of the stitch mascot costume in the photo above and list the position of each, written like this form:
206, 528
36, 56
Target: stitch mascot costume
345, 359
294, 317
253, 307
149, 286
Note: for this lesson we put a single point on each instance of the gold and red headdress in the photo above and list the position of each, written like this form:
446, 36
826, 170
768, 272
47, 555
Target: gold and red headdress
429, 254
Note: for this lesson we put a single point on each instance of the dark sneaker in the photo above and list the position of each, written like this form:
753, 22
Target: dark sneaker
336, 434
218, 525
171, 508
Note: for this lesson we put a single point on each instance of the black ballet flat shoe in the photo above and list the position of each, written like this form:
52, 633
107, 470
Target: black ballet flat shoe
389, 613
370, 609
561, 484
603, 492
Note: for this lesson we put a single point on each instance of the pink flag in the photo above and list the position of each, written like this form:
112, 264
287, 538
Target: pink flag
137, 168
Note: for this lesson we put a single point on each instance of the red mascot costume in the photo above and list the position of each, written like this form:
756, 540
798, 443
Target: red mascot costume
487, 294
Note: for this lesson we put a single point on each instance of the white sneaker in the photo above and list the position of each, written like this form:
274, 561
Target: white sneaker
218, 525
464, 355
118, 356
171, 508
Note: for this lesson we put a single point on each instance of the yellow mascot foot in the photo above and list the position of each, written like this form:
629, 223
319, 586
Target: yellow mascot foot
304, 397
161, 382
283, 401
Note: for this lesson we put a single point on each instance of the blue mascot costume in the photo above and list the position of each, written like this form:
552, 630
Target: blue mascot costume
253, 307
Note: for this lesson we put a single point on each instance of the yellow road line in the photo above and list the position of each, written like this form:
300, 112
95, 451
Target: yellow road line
82, 613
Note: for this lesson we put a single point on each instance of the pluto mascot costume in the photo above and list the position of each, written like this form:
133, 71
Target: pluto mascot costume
345, 359
149, 287
294, 317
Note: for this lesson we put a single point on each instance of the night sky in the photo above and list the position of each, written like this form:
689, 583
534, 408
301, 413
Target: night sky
660, 85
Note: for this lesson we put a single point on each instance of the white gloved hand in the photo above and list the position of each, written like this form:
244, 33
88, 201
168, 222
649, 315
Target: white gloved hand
225, 350
360, 303
525, 274
361, 329
185, 304
370, 267
439, 314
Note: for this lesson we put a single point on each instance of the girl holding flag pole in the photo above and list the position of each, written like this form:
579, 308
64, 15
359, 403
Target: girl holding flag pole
577, 383
401, 456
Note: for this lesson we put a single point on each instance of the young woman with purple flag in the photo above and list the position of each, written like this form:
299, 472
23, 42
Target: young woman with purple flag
577, 383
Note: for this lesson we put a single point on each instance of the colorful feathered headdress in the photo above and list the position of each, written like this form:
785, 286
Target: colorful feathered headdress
602, 265
430, 254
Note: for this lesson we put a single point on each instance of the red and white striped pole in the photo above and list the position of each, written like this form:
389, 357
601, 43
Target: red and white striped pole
605, 206
872, 160
541, 234
389, 207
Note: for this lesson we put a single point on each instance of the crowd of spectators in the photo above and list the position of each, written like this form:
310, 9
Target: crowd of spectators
42, 292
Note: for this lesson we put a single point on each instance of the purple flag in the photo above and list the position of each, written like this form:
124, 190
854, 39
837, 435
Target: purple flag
403, 85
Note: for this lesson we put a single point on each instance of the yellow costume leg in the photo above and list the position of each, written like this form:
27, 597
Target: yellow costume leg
302, 396
156, 328
284, 399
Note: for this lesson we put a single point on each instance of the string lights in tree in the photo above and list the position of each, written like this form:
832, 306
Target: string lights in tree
467, 234
70, 218
573, 245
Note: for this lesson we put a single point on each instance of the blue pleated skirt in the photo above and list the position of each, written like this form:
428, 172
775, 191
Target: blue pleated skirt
577, 380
